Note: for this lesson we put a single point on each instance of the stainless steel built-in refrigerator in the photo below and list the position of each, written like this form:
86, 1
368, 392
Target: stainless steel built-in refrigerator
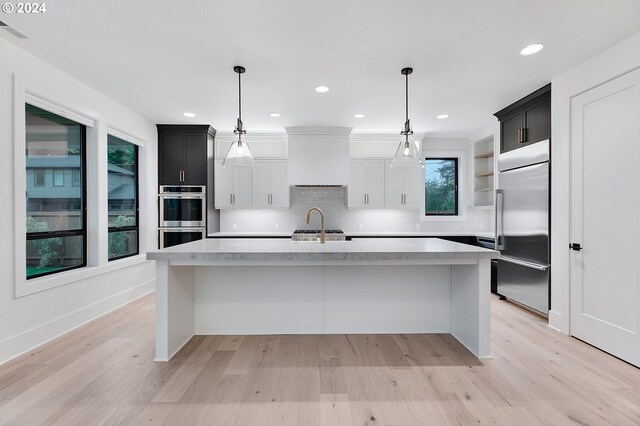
522, 226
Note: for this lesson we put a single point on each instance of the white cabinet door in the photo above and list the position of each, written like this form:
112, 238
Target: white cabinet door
605, 201
413, 186
375, 183
357, 183
241, 188
223, 186
280, 184
393, 190
261, 184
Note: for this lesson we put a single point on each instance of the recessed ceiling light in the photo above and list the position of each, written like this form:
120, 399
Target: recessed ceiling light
274, 114
443, 116
188, 114
322, 89
531, 49
359, 115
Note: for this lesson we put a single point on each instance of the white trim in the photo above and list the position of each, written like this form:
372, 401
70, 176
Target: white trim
35, 285
461, 155
97, 235
125, 136
45, 103
26, 341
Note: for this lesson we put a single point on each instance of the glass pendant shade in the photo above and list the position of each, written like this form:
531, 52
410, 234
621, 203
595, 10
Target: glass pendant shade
239, 154
408, 153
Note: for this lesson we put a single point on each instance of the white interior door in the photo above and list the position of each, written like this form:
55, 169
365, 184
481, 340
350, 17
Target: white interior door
605, 216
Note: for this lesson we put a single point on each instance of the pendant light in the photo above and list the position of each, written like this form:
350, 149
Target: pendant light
239, 155
407, 153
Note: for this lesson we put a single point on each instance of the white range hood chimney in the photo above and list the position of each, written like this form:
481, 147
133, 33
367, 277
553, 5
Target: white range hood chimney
318, 156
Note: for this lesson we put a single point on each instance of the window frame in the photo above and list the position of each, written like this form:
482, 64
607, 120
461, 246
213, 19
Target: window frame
30, 236
57, 172
456, 211
135, 228
35, 178
465, 181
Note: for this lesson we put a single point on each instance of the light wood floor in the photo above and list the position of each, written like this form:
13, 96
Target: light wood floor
103, 373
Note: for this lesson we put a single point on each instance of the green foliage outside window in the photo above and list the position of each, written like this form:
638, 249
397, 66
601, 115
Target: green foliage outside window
440, 188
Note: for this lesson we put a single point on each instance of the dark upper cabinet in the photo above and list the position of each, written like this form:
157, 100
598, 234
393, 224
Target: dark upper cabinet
526, 121
183, 153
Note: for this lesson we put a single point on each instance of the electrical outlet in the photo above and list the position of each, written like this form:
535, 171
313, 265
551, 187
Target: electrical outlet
417, 226
277, 226
234, 227
360, 227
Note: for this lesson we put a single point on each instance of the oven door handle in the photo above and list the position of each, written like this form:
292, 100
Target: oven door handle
181, 197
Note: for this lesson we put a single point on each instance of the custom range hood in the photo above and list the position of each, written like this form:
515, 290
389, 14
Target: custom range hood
318, 156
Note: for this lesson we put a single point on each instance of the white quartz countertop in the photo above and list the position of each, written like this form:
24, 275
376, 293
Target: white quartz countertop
240, 234
364, 249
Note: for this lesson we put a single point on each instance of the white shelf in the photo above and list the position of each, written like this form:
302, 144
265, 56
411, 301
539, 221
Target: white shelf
487, 154
484, 172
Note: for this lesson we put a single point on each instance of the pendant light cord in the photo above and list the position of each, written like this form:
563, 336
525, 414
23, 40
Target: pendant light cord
406, 97
239, 96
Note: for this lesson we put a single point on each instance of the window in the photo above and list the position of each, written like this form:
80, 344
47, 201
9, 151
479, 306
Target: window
38, 178
58, 178
56, 219
122, 159
441, 187
75, 178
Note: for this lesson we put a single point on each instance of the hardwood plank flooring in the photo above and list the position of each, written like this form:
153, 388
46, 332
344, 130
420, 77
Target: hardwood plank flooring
103, 373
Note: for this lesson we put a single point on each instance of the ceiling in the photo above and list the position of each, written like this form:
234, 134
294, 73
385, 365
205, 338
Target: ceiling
164, 58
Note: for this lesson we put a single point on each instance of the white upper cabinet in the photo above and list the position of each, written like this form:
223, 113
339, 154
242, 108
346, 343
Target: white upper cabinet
232, 187
402, 186
264, 186
413, 186
270, 184
366, 183
261, 183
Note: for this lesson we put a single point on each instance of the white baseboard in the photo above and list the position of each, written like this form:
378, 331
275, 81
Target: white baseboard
558, 323
24, 342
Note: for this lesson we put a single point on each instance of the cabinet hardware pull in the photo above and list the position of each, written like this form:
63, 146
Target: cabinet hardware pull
404, 198
519, 137
524, 135
230, 198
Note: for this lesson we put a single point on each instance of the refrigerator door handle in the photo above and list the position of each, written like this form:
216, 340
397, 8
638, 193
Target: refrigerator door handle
525, 263
499, 218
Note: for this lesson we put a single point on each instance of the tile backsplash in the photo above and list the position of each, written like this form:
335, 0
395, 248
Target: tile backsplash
333, 202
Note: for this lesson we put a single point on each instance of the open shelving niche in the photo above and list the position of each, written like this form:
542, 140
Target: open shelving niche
484, 171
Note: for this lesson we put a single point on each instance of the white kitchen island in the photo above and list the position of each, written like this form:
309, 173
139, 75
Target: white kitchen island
277, 286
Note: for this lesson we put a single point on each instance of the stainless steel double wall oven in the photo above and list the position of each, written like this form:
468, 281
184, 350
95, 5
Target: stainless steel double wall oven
183, 214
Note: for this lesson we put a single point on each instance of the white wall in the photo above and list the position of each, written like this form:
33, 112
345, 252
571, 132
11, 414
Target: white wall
81, 295
334, 200
618, 60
